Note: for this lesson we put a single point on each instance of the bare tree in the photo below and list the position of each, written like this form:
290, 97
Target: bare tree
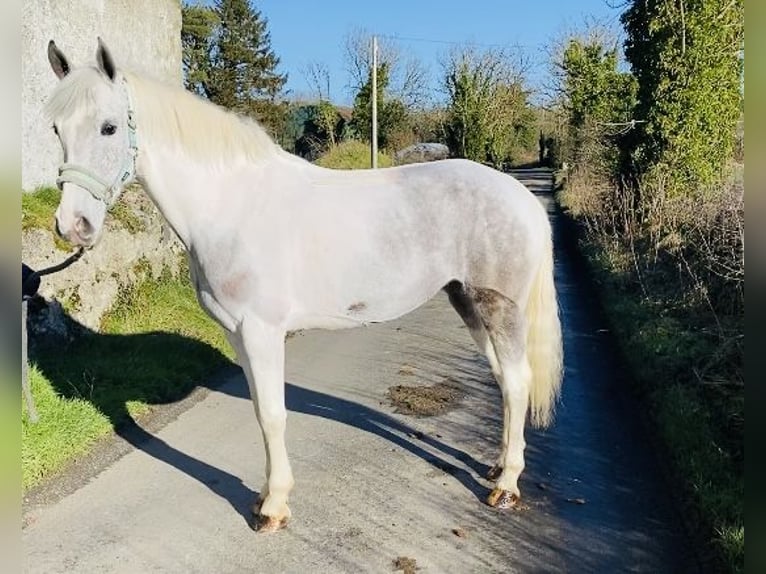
324, 115
317, 75
408, 76
358, 56
411, 83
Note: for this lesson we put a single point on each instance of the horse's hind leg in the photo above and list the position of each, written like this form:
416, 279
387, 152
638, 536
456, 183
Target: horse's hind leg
465, 306
505, 325
462, 300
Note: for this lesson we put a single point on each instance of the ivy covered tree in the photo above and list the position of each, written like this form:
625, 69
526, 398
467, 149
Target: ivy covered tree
392, 113
594, 95
488, 116
228, 59
686, 57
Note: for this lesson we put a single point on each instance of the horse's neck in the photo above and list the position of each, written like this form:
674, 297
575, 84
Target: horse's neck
171, 180
197, 198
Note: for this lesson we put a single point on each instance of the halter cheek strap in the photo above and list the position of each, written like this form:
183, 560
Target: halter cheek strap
93, 183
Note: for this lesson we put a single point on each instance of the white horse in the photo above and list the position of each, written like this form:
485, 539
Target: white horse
277, 244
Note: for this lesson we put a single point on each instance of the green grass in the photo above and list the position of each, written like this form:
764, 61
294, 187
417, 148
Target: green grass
9, 445
38, 209
156, 345
123, 213
664, 342
68, 426
37, 212
717, 491
352, 154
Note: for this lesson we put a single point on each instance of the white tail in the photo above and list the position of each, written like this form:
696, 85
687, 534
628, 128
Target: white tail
544, 344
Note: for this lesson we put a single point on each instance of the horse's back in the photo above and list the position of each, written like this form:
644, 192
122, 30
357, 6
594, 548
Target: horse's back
491, 224
476, 191
498, 225
449, 204
477, 181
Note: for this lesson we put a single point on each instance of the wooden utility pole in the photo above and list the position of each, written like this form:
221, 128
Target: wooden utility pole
374, 138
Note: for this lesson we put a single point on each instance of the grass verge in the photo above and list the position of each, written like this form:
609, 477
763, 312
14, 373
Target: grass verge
352, 154
154, 347
666, 344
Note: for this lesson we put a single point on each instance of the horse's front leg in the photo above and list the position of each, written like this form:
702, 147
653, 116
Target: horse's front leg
264, 347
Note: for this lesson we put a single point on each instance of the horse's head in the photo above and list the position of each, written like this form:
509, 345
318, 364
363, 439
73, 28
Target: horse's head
92, 116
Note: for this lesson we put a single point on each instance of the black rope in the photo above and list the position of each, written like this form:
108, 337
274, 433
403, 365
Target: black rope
31, 283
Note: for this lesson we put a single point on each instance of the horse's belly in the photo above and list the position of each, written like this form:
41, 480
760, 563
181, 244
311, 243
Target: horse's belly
364, 302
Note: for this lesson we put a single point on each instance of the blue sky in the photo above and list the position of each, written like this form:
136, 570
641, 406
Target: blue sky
303, 31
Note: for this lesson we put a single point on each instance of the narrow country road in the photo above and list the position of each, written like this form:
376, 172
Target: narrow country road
372, 485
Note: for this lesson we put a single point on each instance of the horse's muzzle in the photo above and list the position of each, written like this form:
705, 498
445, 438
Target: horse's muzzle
82, 233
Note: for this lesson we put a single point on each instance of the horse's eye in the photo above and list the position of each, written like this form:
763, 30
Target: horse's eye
55, 129
108, 129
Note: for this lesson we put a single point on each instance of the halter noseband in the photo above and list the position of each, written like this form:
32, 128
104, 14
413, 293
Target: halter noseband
94, 184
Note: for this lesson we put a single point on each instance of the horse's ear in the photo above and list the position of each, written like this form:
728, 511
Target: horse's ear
58, 60
105, 61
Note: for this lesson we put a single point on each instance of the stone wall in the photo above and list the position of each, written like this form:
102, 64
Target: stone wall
143, 35
125, 255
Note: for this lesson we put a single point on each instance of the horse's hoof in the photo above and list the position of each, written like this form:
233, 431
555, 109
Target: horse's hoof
502, 499
266, 524
495, 472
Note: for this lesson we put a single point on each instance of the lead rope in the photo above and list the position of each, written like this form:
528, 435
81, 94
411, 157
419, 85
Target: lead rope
53, 268
28, 290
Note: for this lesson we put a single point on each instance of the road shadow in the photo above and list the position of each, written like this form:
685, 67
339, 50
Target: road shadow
100, 368
408, 438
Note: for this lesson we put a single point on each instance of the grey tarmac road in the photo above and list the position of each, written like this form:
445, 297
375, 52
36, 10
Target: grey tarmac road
373, 485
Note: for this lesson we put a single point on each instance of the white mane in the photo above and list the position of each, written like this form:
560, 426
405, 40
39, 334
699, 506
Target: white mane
170, 115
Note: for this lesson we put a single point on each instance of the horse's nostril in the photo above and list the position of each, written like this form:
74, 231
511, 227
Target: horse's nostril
83, 227
58, 229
